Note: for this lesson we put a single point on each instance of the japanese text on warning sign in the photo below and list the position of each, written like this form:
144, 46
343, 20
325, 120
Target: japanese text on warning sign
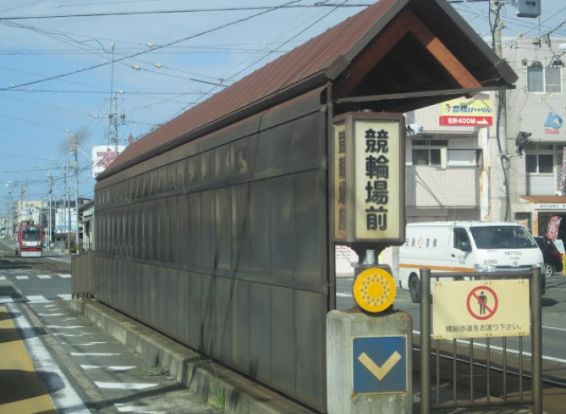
483, 308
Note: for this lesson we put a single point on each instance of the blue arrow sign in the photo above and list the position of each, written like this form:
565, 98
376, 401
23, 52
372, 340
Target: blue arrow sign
380, 364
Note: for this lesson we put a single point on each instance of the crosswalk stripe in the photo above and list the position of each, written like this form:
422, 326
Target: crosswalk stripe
20, 277
94, 354
113, 368
65, 275
65, 297
124, 385
2, 278
44, 276
139, 409
6, 299
37, 299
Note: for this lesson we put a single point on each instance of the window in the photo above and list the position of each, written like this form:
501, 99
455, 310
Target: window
539, 163
544, 79
428, 152
461, 240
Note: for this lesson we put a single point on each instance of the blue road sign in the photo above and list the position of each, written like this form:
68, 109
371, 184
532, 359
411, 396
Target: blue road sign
380, 364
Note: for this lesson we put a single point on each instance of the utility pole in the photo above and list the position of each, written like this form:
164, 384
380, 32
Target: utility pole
50, 218
67, 209
501, 105
74, 151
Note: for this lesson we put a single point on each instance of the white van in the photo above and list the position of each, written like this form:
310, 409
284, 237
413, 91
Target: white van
465, 247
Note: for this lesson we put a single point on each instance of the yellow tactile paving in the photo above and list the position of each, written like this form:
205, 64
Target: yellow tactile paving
21, 389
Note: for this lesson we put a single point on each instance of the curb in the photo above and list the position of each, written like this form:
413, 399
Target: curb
221, 387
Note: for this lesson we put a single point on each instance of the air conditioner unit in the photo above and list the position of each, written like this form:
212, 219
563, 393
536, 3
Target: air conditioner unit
527, 8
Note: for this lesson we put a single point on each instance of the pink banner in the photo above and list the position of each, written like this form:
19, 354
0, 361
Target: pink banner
552, 230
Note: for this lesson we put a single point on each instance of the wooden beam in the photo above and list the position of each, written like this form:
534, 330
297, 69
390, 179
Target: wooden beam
366, 61
441, 53
405, 22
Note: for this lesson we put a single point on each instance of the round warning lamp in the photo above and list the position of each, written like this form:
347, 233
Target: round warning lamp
374, 290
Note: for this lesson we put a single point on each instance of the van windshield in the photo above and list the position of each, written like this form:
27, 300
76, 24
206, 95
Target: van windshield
502, 237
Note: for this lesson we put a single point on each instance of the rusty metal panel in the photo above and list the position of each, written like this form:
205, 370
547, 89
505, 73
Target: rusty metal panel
310, 319
182, 311
260, 337
282, 223
196, 310
222, 339
257, 248
207, 231
284, 343
240, 226
223, 229
310, 223
241, 338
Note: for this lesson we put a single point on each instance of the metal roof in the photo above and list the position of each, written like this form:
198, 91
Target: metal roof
321, 59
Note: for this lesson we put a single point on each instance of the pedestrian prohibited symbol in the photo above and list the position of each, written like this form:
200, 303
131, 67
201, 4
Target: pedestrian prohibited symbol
482, 302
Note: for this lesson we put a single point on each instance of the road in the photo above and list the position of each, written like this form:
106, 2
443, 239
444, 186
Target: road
83, 369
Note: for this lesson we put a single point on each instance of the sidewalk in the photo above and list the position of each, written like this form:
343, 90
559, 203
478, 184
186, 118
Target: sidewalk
21, 387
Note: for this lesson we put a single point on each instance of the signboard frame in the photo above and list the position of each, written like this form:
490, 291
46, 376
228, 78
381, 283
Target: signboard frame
348, 191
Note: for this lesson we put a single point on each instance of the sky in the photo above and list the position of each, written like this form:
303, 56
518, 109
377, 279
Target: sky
67, 65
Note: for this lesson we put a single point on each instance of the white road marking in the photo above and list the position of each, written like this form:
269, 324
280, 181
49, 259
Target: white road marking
124, 385
512, 351
20, 277
2, 278
65, 327
6, 299
553, 328
344, 295
66, 398
94, 354
44, 276
139, 409
113, 368
37, 299
64, 275
91, 343
50, 314
65, 297
67, 335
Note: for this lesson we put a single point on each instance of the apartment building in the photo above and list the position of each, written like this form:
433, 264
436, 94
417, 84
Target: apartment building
458, 167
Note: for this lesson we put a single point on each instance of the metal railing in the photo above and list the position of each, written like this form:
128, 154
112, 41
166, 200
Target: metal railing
82, 281
485, 367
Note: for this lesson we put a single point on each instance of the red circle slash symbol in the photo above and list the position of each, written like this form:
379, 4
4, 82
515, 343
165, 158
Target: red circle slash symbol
482, 302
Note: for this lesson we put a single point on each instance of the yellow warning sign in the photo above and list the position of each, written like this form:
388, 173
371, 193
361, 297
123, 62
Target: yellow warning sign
374, 289
481, 308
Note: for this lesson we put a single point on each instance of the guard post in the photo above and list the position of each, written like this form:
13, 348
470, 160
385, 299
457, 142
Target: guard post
368, 348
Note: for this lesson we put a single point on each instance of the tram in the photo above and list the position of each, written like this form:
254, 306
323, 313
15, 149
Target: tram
30, 239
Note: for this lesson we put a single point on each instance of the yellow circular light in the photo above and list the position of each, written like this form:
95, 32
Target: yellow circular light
374, 290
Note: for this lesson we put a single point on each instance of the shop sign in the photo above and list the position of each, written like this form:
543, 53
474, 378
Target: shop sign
369, 176
553, 123
550, 206
466, 112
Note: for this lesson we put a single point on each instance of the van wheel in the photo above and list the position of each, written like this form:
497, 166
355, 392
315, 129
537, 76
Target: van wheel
415, 289
548, 270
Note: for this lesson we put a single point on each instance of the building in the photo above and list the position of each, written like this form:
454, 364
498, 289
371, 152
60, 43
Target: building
459, 169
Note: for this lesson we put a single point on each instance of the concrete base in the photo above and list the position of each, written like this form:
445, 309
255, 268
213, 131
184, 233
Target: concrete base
201, 375
344, 369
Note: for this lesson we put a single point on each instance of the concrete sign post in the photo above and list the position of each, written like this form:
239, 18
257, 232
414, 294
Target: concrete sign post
369, 363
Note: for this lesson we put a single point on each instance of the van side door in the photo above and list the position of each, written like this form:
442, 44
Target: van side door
461, 249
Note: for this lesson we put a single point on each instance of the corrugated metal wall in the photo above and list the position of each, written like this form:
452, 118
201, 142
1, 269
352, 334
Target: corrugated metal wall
222, 244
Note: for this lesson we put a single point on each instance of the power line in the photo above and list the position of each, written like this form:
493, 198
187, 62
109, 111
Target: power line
180, 11
214, 29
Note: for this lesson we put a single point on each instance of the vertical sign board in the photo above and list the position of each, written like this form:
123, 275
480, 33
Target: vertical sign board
369, 178
481, 308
